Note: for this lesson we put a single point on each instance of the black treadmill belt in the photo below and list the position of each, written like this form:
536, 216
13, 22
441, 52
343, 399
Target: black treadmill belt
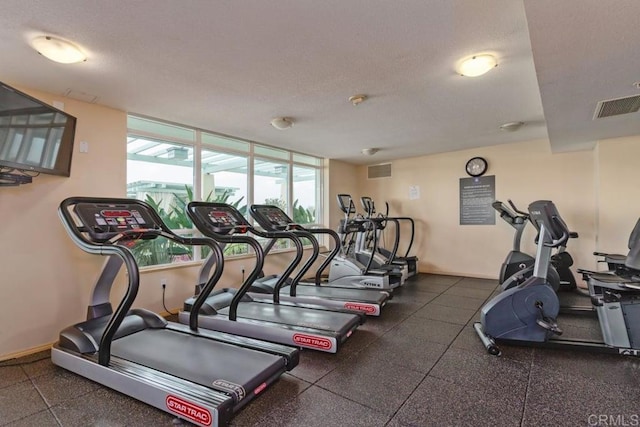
296, 316
196, 359
375, 297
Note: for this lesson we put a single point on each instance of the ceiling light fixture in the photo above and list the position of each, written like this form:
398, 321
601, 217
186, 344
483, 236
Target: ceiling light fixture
282, 123
357, 99
511, 126
370, 151
58, 50
477, 65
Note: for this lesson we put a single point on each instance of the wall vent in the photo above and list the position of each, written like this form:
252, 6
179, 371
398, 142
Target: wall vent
614, 107
379, 171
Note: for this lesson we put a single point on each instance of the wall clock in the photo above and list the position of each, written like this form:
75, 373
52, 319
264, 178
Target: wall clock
476, 166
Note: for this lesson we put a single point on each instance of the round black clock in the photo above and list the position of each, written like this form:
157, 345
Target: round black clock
476, 166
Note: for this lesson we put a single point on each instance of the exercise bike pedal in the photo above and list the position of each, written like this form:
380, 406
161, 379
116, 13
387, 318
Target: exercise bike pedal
545, 322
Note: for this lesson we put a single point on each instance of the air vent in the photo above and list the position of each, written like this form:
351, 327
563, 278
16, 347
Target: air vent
614, 107
81, 96
379, 171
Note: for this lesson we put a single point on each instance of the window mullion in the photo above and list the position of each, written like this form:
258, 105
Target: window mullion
250, 183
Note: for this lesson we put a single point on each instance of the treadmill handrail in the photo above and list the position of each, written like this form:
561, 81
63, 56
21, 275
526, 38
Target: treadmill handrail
201, 223
108, 248
294, 227
332, 254
315, 252
413, 229
369, 206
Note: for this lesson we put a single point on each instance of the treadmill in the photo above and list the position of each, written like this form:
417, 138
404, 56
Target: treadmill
200, 376
359, 227
381, 221
238, 312
368, 301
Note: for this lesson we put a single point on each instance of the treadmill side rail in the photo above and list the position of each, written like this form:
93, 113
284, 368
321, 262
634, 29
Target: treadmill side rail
191, 402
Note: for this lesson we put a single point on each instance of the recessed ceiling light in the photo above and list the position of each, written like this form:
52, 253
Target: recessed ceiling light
58, 50
477, 65
282, 123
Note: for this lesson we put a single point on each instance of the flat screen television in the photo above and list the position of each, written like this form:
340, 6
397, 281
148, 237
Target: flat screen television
34, 136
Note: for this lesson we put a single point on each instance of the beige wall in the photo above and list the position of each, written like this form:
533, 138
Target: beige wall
343, 179
44, 276
524, 172
618, 192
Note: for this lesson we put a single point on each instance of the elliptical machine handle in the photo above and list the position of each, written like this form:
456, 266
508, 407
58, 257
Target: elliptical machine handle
513, 206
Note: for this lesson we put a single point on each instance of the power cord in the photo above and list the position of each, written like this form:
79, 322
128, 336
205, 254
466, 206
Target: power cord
8, 363
164, 288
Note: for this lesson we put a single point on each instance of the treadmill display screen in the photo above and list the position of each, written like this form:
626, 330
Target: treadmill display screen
275, 216
104, 221
223, 219
111, 214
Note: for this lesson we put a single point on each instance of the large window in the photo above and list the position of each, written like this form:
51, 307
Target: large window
271, 183
170, 165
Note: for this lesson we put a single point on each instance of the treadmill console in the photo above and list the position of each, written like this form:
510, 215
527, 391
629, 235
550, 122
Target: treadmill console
220, 218
104, 221
271, 218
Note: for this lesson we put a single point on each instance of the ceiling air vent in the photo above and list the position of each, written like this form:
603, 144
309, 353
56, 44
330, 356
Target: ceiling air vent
379, 171
614, 107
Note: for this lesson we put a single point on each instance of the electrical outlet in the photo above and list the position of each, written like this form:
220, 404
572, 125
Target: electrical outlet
163, 283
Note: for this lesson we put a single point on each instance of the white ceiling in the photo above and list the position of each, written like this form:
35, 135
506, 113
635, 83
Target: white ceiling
230, 66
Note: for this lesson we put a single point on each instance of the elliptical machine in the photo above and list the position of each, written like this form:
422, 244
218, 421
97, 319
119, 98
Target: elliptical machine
527, 314
518, 266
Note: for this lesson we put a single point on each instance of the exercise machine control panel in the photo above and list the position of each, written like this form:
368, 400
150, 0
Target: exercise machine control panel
544, 212
271, 218
346, 203
368, 205
220, 218
104, 221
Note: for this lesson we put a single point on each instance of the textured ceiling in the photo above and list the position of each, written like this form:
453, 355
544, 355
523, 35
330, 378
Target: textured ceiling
231, 66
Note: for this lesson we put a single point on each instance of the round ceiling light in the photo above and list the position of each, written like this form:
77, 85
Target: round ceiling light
282, 123
477, 65
58, 50
511, 126
357, 99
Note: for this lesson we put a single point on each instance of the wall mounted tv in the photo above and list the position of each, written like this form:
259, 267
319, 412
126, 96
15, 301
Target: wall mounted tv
34, 136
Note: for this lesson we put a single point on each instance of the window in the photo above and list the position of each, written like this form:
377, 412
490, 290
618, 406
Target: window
169, 165
224, 179
305, 198
271, 183
161, 174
